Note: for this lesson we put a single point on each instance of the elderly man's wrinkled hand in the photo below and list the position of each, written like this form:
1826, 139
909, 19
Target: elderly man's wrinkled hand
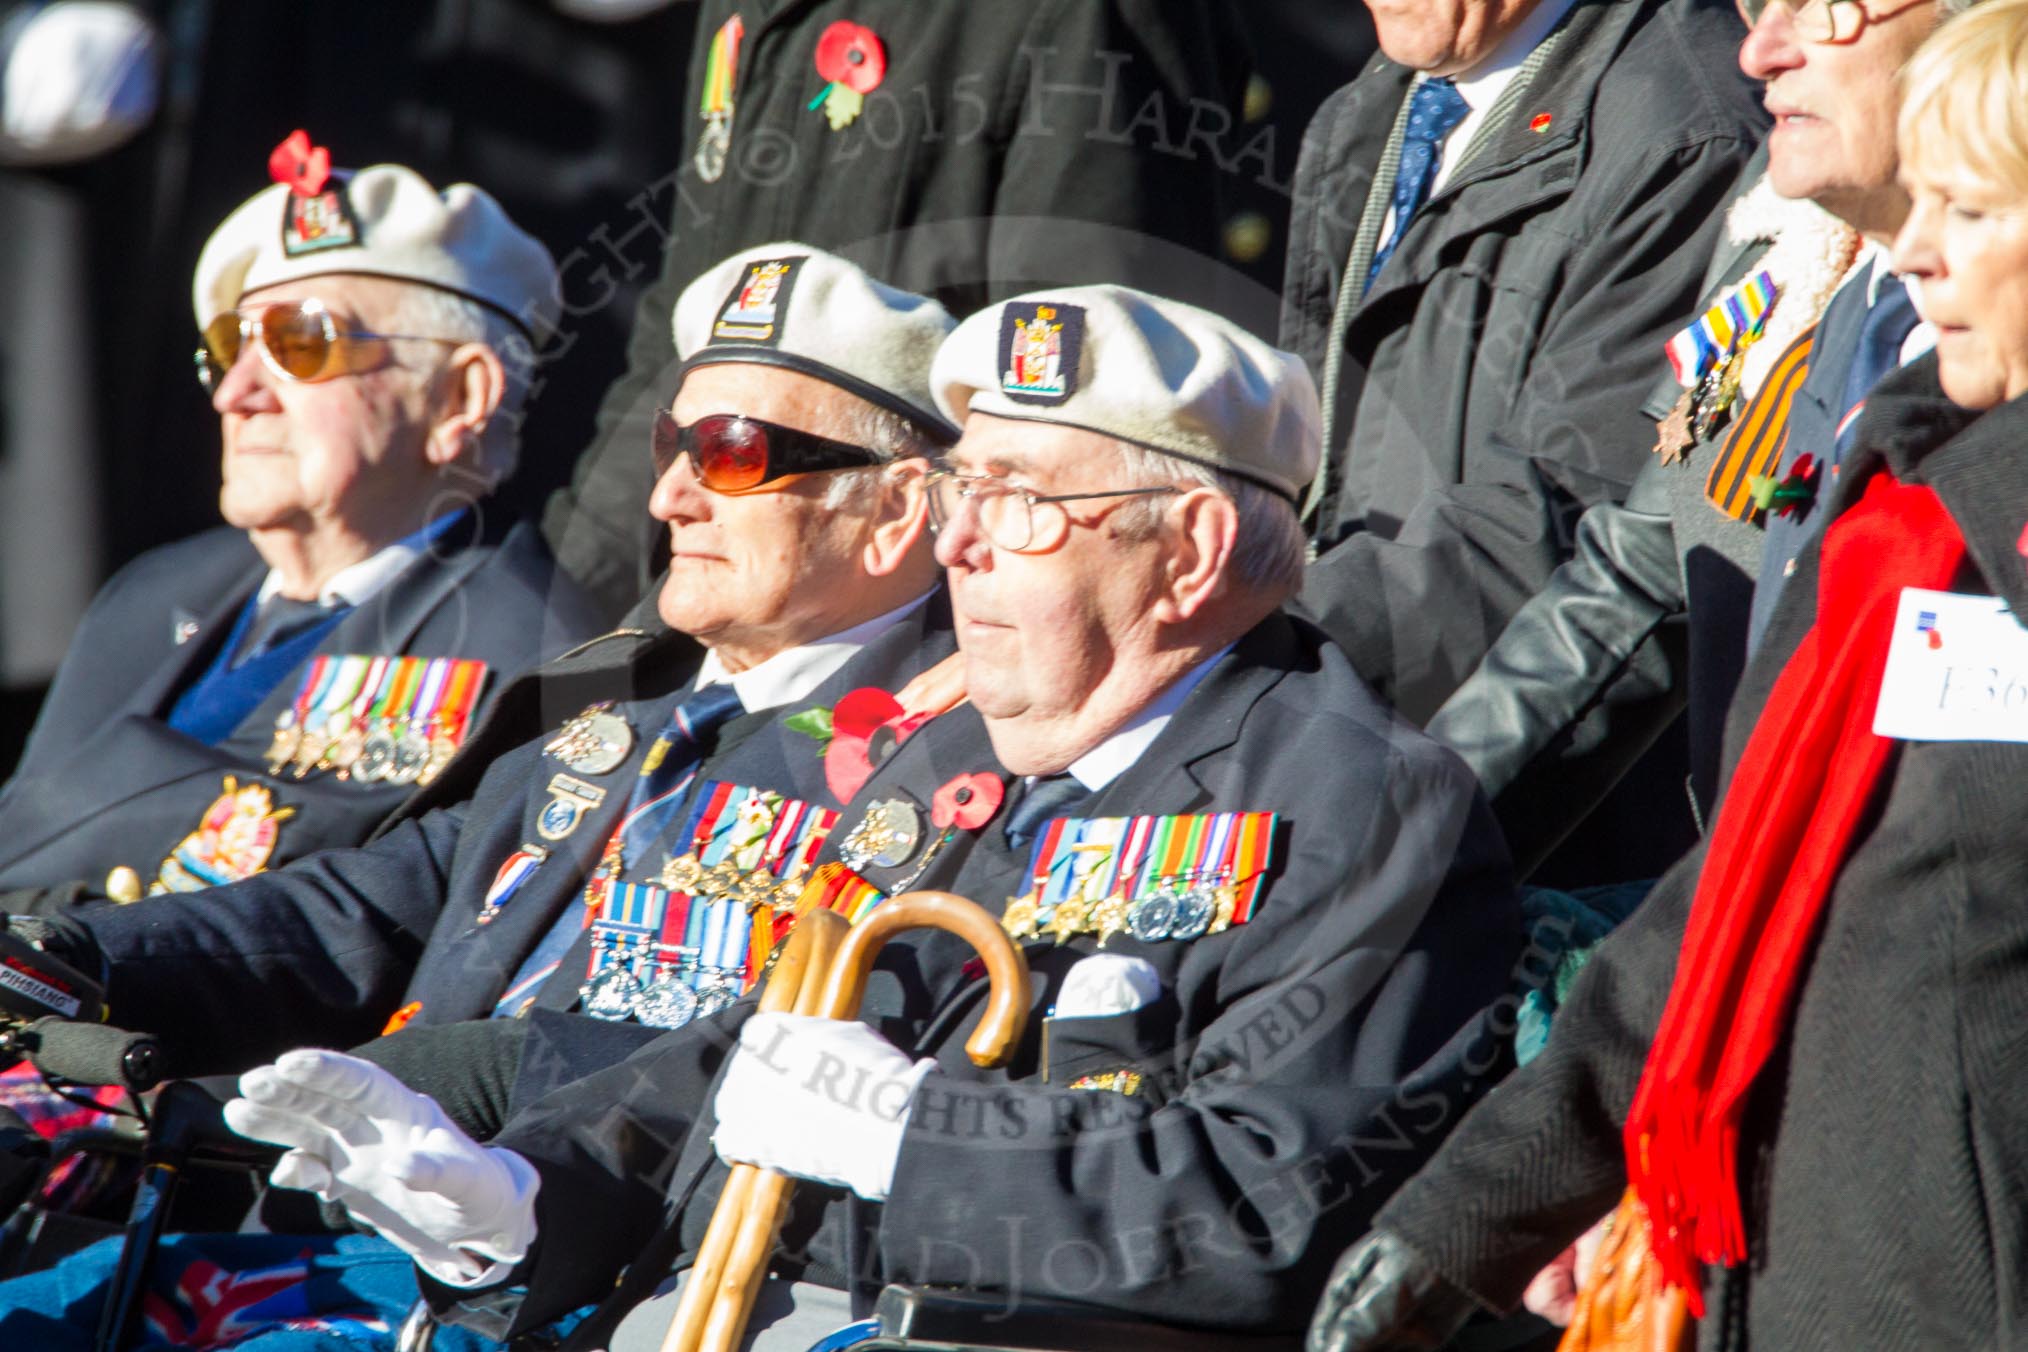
359, 1137
1385, 1297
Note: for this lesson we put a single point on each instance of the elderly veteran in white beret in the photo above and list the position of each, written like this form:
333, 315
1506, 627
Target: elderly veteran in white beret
278, 685
540, 867
1263, 916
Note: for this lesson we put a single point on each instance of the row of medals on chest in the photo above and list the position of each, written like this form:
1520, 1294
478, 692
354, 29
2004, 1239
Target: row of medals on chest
388, 753
1183, 907
666, 997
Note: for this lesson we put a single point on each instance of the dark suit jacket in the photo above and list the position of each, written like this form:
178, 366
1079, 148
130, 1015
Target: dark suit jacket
105, 781
1297, 1066
1884, 1152
1492, 378
322, 952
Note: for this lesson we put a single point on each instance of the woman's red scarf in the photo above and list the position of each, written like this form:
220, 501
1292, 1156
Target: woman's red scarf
1796, 800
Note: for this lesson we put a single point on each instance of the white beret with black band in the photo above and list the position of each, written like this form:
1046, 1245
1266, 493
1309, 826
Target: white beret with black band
1140, 369
382, 221
799, 308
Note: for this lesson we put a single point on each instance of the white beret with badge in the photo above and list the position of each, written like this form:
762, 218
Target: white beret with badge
384, 221
1141, 369
799, 308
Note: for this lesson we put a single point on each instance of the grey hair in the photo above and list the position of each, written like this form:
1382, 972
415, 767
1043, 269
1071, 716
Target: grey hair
1269, 550
434, 313
888, 435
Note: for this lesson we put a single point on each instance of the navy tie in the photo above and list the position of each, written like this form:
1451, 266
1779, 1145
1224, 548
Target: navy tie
1046, 798
277, 621
1434, 111
658, 790
1888, 323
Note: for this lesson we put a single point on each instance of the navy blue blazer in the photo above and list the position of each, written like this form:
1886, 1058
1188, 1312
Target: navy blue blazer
105, 781
324, 951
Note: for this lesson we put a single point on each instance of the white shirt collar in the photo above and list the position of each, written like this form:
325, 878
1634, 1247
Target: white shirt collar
1116, 755
793, 674
358, 584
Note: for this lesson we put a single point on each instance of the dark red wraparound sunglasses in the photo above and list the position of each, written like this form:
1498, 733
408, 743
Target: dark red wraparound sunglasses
732, 454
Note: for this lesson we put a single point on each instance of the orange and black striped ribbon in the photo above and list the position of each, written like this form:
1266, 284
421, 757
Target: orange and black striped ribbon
1754, 448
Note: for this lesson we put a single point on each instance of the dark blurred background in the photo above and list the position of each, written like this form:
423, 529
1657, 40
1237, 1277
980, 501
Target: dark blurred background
108, 447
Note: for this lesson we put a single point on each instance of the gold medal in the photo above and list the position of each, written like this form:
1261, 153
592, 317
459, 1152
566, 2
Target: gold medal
1228, 905
720, 880
1072, 916
755, 890
442, 748
345, 751
309, 750
1109, 917
1019, 917
682, 874
283, 749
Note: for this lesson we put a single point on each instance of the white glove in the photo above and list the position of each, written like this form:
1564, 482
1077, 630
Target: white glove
389, 1156
79, 78
1106, 983
822, 1099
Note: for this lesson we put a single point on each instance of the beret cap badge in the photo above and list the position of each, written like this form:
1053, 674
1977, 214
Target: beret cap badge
1039, 349
315, 214
758, 304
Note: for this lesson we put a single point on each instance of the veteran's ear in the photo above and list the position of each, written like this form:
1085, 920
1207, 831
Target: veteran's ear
1202, 527
900, 519
468, 394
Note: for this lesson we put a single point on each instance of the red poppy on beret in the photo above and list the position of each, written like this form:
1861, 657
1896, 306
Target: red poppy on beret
303, 167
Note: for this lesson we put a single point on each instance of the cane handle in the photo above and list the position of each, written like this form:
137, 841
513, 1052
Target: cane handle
1006, 1012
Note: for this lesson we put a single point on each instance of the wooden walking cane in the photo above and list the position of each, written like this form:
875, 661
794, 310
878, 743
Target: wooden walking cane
793, 987
755, 1201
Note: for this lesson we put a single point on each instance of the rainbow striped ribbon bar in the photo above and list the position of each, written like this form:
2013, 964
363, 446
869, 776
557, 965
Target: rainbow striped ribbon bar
1717, 334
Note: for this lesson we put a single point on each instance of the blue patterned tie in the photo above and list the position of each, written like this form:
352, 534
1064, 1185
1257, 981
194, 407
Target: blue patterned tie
1045, 798
656, 794
1434, 111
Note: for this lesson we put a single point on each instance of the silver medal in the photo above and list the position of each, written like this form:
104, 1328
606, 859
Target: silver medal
1152, 917
1195, 906
611, 994
667, 1003
712, 149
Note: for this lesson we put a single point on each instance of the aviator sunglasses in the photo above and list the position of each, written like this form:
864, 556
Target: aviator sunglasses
299, 341
732, 454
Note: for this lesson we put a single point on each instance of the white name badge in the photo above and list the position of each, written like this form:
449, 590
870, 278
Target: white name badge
1957, 671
